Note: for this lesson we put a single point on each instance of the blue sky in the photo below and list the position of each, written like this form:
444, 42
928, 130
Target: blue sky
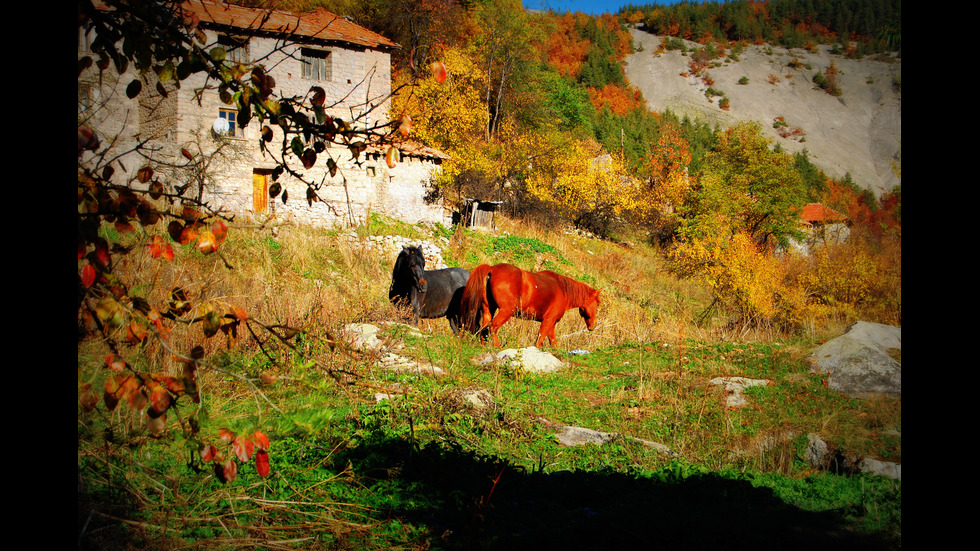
592, 7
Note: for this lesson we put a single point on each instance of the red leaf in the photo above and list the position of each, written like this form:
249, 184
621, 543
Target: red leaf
176, 230
115, 363
226, 435
208, 453
102, 254
406, 125
230, 470
159, 401
261, 440
156, 190
262, 463
318, 95
137, 399
136, 333
243, 448
206, 242
187, 154
88, 275
156, 246
89, 398
144, 174
439, 71
124, 227
188, 235
220, 231
309, 158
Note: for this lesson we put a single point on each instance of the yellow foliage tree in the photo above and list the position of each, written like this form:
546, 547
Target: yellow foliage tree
752, 284
446, 115
594, 189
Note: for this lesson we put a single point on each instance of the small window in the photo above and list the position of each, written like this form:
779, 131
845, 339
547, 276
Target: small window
316, 64
230, 117
236, 48
371, 172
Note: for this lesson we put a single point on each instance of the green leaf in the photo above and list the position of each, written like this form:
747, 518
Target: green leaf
166, 72
297, 146
218, 54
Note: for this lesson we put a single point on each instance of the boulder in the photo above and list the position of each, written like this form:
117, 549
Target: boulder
859, 363
530, 359
734, 386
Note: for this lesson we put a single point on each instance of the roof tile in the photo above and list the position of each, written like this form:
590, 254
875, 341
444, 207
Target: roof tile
318, 25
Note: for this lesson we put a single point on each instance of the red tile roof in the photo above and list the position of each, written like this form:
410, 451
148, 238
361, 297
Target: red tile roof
815, 213
319, 25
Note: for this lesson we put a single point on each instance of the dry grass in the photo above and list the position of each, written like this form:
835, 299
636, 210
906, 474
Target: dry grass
319, 280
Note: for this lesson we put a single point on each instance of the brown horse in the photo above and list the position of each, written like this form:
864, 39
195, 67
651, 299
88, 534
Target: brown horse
495, 293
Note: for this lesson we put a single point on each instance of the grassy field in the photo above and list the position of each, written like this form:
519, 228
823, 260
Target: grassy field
424, 469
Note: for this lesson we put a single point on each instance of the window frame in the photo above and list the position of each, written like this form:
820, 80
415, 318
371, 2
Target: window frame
236, 48
237, 131
321, 70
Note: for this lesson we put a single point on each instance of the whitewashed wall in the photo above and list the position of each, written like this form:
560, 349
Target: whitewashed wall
183, 120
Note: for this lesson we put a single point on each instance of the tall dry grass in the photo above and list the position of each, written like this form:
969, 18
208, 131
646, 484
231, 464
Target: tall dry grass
319, 280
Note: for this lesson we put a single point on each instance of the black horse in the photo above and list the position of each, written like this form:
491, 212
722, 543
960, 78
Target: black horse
430, 293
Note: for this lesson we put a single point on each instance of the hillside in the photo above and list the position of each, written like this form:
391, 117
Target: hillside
859, 132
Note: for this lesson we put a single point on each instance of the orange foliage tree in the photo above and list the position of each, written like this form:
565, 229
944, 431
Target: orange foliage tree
565, 49
620, 100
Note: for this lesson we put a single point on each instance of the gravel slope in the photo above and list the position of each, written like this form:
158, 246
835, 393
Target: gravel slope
859, 132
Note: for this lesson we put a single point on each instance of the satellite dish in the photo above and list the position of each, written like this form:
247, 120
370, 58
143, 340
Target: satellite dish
220, 126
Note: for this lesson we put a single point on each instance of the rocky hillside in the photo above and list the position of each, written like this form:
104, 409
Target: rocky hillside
858, 132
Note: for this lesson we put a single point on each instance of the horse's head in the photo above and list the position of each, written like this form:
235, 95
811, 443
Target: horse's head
416, 264
590, 309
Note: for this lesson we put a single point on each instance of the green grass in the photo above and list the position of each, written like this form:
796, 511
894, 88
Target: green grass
423, 470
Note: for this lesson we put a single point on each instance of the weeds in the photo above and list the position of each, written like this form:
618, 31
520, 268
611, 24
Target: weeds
424, 468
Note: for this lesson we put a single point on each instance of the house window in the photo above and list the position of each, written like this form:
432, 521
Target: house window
236, 48
230, 117
371, 172
316, 64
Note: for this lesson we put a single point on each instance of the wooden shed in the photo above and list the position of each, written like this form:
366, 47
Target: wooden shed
479, 214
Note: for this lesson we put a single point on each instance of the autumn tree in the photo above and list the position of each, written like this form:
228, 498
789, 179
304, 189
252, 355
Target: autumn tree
592, 187
756, 188
507, 56
667, 180
743, 206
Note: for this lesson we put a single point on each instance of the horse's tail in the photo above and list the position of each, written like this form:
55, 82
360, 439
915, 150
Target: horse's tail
474, 297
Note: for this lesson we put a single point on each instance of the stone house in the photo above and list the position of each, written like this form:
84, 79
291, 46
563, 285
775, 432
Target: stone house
229, 170
823, 226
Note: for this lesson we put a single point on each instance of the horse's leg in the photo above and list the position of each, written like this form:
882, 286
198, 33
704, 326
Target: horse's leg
499, 319
547, 329
416, 307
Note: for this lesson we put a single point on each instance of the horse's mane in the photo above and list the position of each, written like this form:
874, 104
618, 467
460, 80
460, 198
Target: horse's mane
404, 256
578, 293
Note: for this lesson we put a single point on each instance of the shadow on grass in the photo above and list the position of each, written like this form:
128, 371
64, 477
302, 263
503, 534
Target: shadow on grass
454, 494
